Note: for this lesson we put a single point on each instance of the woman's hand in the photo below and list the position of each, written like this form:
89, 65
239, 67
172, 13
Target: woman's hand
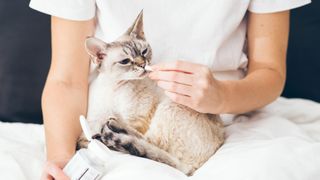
53, 171
190, 84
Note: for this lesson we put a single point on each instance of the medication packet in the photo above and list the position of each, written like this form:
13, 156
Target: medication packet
86, 164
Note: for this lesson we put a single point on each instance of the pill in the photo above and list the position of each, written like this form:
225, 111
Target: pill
148, 68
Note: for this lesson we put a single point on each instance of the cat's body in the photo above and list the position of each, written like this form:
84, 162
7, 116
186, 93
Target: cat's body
133, 115
133, 101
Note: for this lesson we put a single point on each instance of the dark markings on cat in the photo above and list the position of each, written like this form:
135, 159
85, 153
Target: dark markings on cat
136, 48
132, 149
113, 148
116, 129
117, 142
126, 50
97, 136
108, 136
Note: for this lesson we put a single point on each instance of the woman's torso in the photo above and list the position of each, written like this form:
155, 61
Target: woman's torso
208, 32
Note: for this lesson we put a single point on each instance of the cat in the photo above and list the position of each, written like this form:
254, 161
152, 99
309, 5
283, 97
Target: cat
130, 114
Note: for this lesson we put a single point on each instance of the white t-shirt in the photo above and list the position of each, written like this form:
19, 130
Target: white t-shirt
209, 32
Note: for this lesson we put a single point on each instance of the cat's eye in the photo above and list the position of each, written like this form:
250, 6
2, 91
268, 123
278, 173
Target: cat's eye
125, 61
144, 52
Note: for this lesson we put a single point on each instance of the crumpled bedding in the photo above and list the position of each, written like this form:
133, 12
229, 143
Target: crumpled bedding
279, 142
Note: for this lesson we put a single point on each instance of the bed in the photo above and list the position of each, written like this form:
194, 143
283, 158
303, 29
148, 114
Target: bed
280, 141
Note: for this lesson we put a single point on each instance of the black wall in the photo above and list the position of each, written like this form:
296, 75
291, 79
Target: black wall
24, 60
303, 76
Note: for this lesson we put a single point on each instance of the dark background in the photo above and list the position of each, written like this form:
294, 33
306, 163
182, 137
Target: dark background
303, 59
25, 58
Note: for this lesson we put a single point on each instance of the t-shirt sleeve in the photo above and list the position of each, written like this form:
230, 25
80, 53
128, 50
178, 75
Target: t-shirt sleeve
270, 6
78, 10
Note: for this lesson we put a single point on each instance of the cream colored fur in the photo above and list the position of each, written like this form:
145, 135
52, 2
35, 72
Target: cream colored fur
152, 125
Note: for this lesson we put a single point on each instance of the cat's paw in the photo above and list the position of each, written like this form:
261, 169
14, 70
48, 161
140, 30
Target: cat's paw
116, 126
97, 137
111, 137
121, 142
82, 142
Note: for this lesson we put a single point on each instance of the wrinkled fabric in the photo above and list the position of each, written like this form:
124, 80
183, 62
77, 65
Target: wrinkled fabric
281, 141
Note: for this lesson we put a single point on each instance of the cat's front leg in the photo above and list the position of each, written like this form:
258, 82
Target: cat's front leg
118, 126
82, 142
126, 143
118, 140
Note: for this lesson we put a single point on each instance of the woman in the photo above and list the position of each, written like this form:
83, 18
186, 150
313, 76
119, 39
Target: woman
243, 42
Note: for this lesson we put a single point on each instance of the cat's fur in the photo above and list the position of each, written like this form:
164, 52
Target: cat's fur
130, 114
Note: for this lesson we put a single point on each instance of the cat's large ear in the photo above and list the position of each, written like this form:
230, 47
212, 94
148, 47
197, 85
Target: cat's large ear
96, 49
136, 30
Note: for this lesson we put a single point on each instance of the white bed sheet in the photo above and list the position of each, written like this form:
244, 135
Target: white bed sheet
280, 142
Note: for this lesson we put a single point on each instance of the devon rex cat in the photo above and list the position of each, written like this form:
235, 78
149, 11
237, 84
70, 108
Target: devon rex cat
130, 114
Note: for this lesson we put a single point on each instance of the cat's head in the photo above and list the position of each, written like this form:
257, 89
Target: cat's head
125, 58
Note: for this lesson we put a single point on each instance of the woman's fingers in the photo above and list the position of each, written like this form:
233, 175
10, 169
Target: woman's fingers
46, 176
176, 88
55, 171
176, 66
189, 84
172, 76
178, 98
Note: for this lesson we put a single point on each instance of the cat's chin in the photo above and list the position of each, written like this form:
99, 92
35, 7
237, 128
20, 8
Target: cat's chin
140, 77
143, 75
137, 76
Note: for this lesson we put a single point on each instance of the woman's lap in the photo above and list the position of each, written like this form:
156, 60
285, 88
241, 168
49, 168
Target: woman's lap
282, 141
269, 144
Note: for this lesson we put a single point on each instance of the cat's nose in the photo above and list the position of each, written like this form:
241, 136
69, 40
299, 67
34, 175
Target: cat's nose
140, 61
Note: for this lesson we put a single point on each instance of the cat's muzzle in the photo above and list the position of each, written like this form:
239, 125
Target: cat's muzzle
140, 61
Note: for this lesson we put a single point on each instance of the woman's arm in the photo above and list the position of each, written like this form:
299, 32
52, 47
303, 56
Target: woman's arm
267, 48
198, 89
65, 94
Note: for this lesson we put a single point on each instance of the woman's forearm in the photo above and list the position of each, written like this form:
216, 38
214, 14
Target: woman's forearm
65, 93
62, 103
267, 46
256, 90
